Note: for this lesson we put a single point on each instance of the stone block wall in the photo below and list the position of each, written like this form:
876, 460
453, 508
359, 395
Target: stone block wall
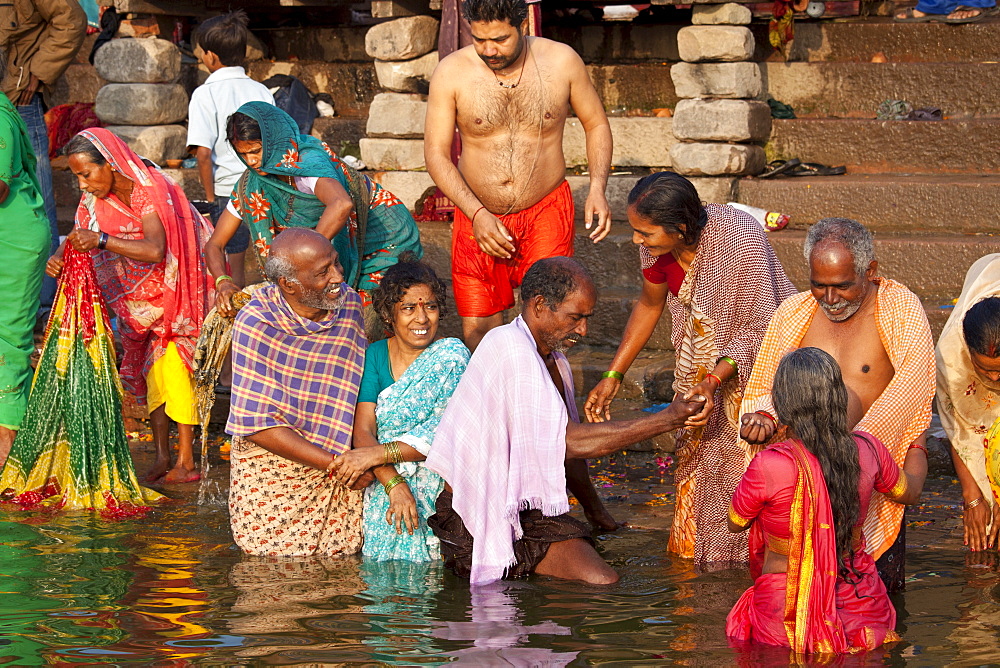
405, 57
718, 125
143, 103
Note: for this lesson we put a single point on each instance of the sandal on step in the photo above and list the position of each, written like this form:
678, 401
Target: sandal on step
777, 167
909, 17
816, 169
983, 13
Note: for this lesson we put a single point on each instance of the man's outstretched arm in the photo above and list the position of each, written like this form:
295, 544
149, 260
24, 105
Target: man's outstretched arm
588, 440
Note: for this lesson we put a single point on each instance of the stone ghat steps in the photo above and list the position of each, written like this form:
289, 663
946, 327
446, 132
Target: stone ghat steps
855, 90
891, 147
858, 39
894, 204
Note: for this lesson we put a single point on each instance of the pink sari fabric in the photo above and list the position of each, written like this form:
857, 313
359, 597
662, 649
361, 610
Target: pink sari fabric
809, 609
154, 303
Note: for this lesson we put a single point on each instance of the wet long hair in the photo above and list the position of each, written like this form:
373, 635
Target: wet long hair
810, 397
672, 202
981, 327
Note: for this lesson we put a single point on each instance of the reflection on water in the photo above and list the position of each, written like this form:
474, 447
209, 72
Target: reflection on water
172, 590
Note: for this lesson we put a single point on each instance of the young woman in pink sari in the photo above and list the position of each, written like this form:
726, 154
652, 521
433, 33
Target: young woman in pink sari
147, 243
804, 500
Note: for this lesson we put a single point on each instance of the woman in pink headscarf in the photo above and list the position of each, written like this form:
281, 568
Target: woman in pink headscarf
147, 243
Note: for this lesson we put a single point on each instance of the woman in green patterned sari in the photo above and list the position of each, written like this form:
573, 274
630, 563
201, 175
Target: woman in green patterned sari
24, 249
295, 180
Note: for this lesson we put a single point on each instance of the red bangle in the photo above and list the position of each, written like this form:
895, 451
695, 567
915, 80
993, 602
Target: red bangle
918, 447
766, 414
717, 379
473, 219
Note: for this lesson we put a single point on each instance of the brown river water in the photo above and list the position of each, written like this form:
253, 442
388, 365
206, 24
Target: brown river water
172, 590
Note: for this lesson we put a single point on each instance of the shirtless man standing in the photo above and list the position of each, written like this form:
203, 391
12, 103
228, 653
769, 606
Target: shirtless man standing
877, 331
509, 95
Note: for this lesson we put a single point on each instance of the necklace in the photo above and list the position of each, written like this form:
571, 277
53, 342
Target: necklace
527, 46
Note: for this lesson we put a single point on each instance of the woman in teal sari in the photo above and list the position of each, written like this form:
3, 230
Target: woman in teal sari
295, 180
407, 383
24, 249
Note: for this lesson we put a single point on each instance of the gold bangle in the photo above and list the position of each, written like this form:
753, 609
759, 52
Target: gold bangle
329, 467
392, 453
395, 480
972, 504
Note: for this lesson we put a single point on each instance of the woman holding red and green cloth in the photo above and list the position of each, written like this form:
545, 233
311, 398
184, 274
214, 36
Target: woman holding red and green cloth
804, 500
146, 241
295, 180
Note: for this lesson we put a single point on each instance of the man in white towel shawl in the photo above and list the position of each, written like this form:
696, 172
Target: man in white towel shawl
509, 433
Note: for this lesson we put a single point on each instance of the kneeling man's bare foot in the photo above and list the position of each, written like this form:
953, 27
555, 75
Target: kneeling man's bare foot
6, 441
601, 519
181, 474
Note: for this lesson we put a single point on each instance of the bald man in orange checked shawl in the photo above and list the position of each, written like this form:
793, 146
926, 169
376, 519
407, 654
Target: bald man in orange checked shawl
877, 331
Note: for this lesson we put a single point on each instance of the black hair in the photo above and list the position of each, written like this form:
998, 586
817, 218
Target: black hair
400, 277
240, 127
225, 36
80, 144
553, 279
810, 397
513, 12
981, 327
672, 202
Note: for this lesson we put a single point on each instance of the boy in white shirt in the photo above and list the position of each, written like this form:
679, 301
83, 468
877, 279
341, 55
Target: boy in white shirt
221, 44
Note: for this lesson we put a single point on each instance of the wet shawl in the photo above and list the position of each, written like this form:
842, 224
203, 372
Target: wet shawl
289, 371
269, 204
903, 410
501, 444
967, 402
154, 303
71, 452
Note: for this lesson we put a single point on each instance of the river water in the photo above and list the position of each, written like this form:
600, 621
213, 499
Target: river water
172, 590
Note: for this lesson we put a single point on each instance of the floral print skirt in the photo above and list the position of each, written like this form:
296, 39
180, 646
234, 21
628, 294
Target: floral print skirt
278, 507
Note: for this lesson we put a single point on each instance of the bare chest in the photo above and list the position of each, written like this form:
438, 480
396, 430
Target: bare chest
858, 349
538, 105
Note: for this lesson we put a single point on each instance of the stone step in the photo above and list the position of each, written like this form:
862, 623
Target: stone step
855, 90
649, 378
902, 147
889, 204
857, 40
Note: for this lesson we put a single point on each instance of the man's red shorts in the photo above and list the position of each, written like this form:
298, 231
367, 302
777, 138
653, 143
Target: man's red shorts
483, 284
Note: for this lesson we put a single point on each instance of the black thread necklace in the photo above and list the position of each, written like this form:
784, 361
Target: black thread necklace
527, 46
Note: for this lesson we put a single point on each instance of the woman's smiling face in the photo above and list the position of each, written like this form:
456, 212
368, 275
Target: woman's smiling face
415, 317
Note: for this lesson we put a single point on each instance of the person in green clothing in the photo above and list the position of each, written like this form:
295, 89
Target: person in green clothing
24, 249
295, 180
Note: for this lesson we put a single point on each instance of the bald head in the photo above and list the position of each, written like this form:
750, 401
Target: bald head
305, 267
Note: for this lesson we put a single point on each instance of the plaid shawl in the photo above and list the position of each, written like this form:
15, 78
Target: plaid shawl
903, 410
289, 371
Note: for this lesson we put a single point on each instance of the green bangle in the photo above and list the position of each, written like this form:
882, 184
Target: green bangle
617, 375
393, 482
731, 362
224, 277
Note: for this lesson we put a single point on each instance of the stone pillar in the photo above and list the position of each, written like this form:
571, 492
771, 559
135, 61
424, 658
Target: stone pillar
142, 104
718, 123
405, 56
